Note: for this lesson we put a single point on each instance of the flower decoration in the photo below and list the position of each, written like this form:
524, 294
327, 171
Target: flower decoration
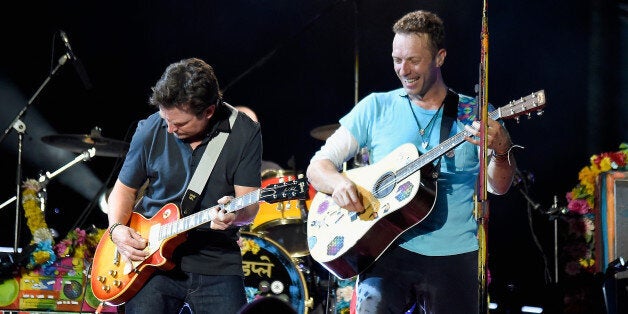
580, 204
578, 241
42, 242
79, 243
73, 242
247, 245
43, 251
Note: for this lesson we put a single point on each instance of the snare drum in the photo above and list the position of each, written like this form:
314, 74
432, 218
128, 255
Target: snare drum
270, 271
285, 221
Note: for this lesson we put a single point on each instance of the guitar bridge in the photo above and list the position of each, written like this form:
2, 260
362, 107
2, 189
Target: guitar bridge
116, 257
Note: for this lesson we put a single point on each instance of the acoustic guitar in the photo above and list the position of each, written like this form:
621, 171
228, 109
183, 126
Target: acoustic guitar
398, 192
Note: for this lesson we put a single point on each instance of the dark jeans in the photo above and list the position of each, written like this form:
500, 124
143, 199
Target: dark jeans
167, 293
404, 282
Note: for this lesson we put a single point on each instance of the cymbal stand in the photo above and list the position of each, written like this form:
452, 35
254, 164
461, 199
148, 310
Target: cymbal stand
44, 178
20, 127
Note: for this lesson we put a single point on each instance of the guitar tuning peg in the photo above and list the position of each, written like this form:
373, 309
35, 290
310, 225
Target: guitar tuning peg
539, 113
517, 120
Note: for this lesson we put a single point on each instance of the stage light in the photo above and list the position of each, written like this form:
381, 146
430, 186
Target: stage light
79, 177
36, 154
531, 309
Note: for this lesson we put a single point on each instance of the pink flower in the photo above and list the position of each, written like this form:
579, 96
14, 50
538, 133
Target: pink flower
578, 206
569, 196
80, 236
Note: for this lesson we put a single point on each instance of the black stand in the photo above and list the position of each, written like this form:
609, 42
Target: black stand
20, 127
330, 303
614, 297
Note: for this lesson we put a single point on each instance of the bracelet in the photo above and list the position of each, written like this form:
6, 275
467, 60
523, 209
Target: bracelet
502, 155
111, 230
505, 155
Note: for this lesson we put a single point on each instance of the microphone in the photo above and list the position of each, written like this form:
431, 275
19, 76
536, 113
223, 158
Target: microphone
524, 176
78, 65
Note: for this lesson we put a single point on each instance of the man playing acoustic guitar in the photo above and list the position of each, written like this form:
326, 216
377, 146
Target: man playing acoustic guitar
432, 267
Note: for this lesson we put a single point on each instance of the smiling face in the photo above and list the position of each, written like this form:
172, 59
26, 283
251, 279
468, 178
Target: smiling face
416, 63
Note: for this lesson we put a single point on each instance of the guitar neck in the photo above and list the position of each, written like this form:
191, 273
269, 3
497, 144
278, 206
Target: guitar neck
437, 151
527, 104
192, 221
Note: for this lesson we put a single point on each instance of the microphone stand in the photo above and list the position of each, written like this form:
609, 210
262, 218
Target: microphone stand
20, 127
481, 198
553, 213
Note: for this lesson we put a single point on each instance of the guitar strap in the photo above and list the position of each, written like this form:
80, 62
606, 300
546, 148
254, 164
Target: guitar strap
207, 163
450, 114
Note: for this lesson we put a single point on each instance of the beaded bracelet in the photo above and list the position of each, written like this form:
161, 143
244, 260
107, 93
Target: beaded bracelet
111, 230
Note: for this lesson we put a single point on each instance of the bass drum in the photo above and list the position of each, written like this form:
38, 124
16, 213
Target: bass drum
270, 271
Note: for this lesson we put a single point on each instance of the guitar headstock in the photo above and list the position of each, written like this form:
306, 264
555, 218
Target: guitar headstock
534, 102
285, 191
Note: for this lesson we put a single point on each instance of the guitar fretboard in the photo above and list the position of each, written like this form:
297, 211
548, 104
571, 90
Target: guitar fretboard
205, 216
513, 109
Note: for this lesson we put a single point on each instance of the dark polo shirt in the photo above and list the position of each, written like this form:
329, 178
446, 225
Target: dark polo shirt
169, 164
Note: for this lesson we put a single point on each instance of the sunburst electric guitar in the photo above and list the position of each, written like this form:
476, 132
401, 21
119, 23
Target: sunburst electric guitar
398, 192
114, 281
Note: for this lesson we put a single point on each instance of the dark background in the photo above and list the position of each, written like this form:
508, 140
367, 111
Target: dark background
294, 63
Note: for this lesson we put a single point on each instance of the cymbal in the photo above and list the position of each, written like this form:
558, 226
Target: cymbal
79, 143
324, 131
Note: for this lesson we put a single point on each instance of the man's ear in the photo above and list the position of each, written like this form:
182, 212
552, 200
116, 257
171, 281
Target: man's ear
209, 112
440, 57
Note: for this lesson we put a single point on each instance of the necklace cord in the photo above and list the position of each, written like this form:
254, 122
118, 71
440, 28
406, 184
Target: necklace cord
429, 124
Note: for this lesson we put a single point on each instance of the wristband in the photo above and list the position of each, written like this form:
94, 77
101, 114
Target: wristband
111, 230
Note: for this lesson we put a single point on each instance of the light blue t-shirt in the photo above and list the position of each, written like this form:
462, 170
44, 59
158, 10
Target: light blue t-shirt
384, 121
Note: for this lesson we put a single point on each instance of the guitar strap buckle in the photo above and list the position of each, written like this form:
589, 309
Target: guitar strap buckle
188, 202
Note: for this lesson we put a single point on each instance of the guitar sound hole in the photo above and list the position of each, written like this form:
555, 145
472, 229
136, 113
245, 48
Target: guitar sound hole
384, 185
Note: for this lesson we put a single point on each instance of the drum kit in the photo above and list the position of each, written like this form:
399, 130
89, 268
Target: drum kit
276, 255
78, 143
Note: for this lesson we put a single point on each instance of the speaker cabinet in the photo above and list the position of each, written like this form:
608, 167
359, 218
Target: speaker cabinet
611, 235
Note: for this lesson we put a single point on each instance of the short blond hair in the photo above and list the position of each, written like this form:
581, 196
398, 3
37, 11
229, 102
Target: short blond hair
422, 22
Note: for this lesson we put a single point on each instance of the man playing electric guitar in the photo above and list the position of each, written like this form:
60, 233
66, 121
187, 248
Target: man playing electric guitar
433, 266
166, 149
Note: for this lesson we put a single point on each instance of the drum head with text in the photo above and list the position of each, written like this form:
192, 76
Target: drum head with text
270, 271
